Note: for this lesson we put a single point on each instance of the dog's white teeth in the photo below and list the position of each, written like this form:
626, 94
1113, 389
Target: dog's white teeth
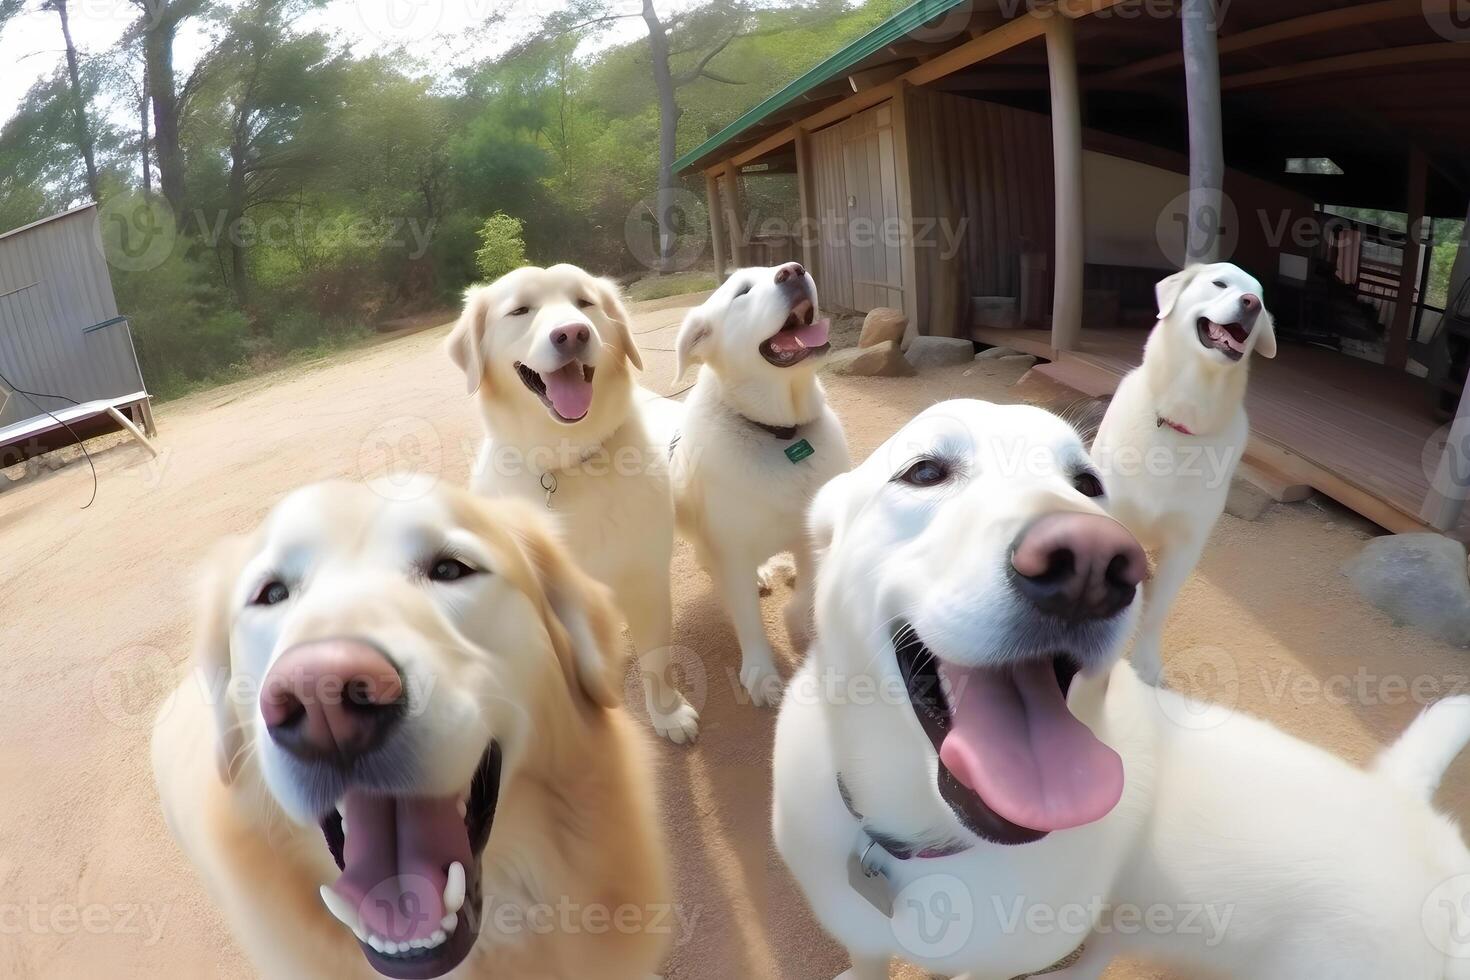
449, 922
377, 944
342, 910
454, 888
464, 809
437, 938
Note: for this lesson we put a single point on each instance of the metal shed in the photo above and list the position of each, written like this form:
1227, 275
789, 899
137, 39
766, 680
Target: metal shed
61, 338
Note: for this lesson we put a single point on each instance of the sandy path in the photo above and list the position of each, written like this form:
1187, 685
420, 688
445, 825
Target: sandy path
94, 625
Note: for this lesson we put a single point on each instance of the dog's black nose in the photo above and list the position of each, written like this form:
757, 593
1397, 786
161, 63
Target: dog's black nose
1077, 566
791, 270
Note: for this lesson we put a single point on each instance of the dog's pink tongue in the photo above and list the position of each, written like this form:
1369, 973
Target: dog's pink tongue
569, 391
396, 861
814, 334
1014, 742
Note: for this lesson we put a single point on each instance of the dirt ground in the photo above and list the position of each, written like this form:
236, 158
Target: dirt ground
95, 626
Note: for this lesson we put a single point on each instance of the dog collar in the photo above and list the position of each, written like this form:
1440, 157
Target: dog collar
897, 849
782, 432
1183, 430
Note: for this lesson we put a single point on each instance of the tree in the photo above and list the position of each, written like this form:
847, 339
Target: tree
79, 103
158, 26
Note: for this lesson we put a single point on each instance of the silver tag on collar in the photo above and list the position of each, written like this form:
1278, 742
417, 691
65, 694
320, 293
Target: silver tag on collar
865, 876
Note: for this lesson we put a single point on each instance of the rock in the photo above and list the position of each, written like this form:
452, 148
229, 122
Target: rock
883, 323
1247, 501
1419, 579
932, 352
995, 353
1018, 360
883, 360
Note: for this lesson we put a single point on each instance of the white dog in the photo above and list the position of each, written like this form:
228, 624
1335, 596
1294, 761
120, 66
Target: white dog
548, 352
757, 442
968, 776
1176, 429
402, 743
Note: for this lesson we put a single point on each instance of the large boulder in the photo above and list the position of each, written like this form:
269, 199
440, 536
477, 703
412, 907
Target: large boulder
883, 324
932, 352
1419, 579
996, 353
883, 360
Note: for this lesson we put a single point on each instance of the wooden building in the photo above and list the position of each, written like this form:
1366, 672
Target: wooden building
1024, 173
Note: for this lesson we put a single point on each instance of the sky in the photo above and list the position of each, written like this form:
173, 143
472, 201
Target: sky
443, 32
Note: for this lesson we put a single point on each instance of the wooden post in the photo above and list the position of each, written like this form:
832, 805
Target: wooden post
735, 215
811, 229
1397, 354
718, 241
1066, 135
1206, 141
1450, 489
908, 275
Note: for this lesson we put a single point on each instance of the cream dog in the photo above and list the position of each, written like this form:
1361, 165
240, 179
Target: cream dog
400, 747
547, 354
757, 441
1176, 430
968, 776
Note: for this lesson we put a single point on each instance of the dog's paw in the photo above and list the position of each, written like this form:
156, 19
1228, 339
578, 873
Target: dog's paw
781, 568
763, 684
678, 726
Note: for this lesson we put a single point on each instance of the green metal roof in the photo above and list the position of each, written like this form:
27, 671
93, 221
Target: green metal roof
895, 28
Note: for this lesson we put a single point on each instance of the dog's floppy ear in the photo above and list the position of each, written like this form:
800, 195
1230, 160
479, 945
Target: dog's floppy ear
692, 344
583, 626
1168, 289
466, 341
212, 663
610, 298
1266, 334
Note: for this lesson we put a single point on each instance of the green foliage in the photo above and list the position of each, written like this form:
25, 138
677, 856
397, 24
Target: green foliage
501, 249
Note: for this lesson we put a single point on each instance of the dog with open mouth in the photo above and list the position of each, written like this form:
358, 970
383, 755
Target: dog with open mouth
756, 443
1176, 429
549, 357
402, 742
969, 777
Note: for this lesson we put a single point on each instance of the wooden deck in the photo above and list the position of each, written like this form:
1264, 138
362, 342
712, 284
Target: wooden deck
1354, 431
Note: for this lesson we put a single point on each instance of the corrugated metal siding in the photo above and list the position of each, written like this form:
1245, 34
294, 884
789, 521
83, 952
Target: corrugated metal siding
54, 284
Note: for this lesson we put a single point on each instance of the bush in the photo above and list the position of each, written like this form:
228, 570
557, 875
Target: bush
502, 249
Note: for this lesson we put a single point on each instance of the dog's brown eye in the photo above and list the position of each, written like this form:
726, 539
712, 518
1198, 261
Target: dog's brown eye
925, 473
1088, 484
270, 594
1220, 285
520, 311
742, 291
449, 570
583, 304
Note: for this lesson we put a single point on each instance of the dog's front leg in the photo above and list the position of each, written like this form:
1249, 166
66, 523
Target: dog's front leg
651, 624
1159, 594
736, 580
800, 608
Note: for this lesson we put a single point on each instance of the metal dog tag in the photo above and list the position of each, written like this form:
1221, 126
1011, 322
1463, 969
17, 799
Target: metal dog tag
869, 881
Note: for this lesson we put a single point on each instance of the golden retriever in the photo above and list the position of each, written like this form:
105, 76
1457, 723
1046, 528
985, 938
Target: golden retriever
401, 750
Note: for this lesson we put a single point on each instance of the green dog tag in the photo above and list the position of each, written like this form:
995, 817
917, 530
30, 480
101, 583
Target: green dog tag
798, 451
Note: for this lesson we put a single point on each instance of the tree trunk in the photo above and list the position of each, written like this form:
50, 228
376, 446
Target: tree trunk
79, 101
668, 128
143, 135
158, 45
